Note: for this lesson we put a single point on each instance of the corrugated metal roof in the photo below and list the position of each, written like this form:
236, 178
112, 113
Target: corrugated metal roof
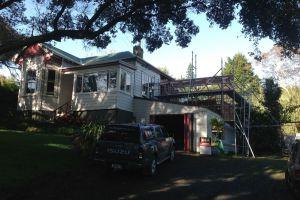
90, 60
94, 60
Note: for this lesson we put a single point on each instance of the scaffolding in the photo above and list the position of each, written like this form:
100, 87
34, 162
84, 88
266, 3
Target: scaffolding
218, 94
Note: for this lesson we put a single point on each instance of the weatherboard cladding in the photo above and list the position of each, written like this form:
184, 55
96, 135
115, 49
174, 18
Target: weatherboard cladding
94, 100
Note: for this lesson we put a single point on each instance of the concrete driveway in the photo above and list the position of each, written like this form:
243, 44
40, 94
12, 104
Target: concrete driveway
190, 176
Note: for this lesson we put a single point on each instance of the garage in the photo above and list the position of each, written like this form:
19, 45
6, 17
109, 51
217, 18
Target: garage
188, 124
179, 126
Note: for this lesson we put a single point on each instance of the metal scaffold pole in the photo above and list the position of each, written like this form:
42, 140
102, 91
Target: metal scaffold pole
234, 110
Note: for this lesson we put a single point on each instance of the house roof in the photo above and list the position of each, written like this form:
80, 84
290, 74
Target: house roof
95, 60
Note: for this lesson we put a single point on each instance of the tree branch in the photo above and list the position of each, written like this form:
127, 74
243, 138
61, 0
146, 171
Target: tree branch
59, 14
58, 34
97, 14
54, 35
7, 3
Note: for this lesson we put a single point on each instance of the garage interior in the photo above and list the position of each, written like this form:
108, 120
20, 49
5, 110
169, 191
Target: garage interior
179, 126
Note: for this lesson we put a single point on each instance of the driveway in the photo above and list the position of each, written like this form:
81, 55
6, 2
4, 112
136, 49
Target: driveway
190, 176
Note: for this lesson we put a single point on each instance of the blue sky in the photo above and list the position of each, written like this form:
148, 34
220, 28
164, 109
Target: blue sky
210, 45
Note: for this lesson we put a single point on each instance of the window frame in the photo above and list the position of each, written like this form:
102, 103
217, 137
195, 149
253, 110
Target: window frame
127, 74
54, 80
145, 83
109, 72
26, 82
81, 85
108, 81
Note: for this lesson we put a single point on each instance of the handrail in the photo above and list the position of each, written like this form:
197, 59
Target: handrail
64, 108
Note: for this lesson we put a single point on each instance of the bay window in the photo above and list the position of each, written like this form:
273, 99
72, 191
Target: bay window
112, 83
31, 83
125, 83
145, 85
92, 82
50, 82
101, 81
89, 82
78, 83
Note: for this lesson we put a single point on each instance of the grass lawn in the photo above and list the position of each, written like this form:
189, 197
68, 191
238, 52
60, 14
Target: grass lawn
24, 156
40, 166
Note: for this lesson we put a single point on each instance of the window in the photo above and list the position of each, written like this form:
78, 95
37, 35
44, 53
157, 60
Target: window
158, 133
128, 83
148, 134
31, 81
125, 81
145, 85
51, 82
101, 81
78, 83
152, 86
89, 83
121, 133
112, 83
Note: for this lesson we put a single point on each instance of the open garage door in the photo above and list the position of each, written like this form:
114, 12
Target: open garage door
179, 126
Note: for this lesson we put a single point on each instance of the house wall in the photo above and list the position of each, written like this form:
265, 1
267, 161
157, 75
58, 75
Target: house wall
103, 99
38, 100
105, 115
142, 110
229, 138
138, 79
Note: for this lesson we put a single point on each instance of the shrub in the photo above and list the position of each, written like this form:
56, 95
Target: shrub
65, 130
85, 141
32, 129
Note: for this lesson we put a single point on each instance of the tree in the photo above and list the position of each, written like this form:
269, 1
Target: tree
272, 93
96, 22
285, 69
290, 101
164, 70
265, 123
246, 82
8, 101
190, 72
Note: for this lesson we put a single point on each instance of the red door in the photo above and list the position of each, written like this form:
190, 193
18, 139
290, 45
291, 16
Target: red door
188, 132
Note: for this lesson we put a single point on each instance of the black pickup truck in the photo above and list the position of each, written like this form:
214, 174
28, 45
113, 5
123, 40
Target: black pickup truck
127, 146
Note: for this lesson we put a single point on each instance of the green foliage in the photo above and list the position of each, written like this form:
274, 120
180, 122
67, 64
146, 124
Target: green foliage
272, 93
245, 80
265, 134
217, 124
8, 101
164, 70
148, 20
290, 101
86, 140
190, 72
217, 129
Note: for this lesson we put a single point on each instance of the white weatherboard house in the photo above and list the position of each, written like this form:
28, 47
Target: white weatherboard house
116, 88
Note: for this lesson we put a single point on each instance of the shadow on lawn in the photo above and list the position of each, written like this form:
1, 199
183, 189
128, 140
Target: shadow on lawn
189, 177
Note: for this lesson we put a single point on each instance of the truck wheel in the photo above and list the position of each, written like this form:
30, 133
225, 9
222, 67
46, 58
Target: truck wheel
172, 154
108, 169
151, 168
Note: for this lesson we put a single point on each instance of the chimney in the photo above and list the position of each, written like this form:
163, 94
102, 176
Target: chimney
137, 50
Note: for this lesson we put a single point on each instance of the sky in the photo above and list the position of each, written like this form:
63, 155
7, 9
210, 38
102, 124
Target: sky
210, 45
